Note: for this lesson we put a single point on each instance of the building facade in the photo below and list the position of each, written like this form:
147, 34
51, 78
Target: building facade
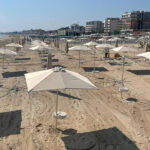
136, 20
77, 29
112, 25
94, 27
145, 20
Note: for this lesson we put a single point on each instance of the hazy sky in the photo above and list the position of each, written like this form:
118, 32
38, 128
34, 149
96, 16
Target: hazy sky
16, 15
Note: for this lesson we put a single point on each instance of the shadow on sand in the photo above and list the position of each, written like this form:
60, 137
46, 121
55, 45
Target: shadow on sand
13, 74
131, 99
106, 139
55, 60
66, 95
22, 59
10, 123
58, 66
90, 69
140, 72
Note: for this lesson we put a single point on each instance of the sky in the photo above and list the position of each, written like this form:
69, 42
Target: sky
18, 15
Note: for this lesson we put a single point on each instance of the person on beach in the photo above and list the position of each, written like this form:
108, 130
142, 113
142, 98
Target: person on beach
107, 53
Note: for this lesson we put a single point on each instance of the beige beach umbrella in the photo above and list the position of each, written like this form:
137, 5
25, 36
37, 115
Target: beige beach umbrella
102, 40
56, 79
14, 45
38, 42
39, 47
80, 48
103, 46
70, 40
92, 45
6, 52
145, 55
123, 49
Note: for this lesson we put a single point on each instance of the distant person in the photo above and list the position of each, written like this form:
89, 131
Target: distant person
107, 53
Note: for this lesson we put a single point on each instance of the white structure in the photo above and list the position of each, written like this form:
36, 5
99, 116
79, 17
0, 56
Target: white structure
112, 25
94, 27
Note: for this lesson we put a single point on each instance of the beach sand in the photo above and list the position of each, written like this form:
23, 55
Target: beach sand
96, 119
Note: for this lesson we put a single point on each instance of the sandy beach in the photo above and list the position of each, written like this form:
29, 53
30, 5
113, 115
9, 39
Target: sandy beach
96, 119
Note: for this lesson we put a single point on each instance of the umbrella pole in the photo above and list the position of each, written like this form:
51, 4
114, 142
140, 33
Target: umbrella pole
94, 60
79, 58
56, 108
3, 62
123, 62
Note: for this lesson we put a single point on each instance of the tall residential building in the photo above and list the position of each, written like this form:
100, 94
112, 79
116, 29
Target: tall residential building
145, 20
94, 27
112, 25
131, 20
136, 20
77, 29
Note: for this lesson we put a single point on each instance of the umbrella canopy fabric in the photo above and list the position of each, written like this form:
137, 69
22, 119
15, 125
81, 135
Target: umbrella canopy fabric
7, 52
123, 49
100, 46
80, 48
71, 40
14, 45
114, 39
146, 55
56, 79
91, 43
101, 40
40, 47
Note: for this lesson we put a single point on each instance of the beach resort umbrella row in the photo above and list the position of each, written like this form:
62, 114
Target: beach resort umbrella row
56, 79
103, 46
79, 48
14, 45
6, 52
145, 55
92, 45
123, 49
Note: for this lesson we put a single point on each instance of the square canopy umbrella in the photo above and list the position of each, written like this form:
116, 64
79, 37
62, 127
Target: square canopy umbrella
6, 52
79, 48
146, 55
56, 79
14, 45
123, 49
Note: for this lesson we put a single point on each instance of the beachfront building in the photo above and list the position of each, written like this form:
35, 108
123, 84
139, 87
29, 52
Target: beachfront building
77, 29
66, 31
112, 25
145, 20
136, 20
94, 27
130, 20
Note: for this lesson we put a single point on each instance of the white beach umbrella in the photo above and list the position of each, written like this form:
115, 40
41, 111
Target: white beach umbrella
124, 49
102, 40
56, 79
131, 38
14, 45
6, 52
103, 46
40, 47
114, 39
146, 55
91, 43
80, 48
70, 40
